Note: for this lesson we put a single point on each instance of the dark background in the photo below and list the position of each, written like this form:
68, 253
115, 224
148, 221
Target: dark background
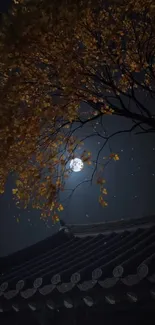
130, 183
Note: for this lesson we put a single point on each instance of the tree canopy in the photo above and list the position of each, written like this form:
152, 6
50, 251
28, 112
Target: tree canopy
55, 57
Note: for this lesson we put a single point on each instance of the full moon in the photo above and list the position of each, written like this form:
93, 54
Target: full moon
76, 164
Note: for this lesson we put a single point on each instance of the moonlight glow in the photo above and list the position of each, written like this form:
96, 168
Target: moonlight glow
76, 164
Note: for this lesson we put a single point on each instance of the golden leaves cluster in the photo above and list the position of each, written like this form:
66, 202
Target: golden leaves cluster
86, 157
114, 156
103, 191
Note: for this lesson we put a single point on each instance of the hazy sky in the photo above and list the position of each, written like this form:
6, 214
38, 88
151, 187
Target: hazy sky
130, 183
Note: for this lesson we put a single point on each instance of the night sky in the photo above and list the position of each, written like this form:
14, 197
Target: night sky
130, 183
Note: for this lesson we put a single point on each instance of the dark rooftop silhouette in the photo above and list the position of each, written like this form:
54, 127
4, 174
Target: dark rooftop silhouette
109, 264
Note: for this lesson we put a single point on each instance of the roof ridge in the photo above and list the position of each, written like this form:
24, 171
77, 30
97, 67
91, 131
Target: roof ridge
146, 219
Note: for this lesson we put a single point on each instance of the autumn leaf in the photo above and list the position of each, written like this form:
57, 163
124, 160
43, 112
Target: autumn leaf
89, 162
55, 218
58, 183
18, 183
60, 207
102, 201
100, 180
114, 156
104, 191
14, 190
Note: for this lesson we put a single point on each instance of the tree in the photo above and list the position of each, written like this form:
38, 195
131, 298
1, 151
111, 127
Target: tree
53, 59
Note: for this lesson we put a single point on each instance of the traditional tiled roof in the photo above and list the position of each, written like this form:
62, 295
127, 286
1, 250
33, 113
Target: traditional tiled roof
110, 262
